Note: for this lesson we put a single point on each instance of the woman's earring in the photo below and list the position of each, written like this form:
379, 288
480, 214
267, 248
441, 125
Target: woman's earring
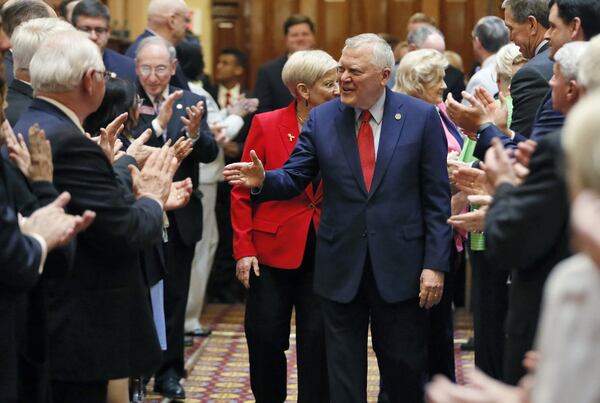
306, 103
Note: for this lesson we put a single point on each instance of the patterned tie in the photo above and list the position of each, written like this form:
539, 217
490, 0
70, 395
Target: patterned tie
366, 148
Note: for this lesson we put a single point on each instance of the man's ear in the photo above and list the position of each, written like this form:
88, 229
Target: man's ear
174, 66
87, 81
533, 25
238, 71
576, 30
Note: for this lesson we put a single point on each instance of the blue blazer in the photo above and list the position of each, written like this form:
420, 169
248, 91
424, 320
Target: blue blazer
123, 66
179, 80
400, 224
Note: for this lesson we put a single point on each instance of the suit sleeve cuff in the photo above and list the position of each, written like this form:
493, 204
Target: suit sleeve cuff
155, 199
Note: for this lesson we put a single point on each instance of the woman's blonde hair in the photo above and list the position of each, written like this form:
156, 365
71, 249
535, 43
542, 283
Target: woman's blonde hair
418, 70
306, 66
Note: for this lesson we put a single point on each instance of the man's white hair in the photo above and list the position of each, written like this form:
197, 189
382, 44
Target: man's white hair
383, 57
568, 57
587, 75
162, 8
62, 60
28, 36
156, 41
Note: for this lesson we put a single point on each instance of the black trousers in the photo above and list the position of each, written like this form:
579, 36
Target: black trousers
271, 298
398, 332
176, 287
77, 392
490, 304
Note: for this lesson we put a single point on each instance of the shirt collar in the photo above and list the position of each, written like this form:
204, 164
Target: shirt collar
70, 114
489, 62
539, 47
376, 110
164, 94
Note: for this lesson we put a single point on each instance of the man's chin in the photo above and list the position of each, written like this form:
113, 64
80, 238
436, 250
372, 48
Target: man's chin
348, 99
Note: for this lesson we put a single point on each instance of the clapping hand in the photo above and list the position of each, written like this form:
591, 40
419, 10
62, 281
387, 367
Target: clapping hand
35, 161
498, 166
155, 178
243, 106
194, 116
495, 113
470, 117
180, 194
248, 174
138, 148
54, 225
166, 109
182, 148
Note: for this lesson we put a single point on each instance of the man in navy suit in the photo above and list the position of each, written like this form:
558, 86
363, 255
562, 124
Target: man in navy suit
167, 19
93, 18
383, 243
172, 113
104, 289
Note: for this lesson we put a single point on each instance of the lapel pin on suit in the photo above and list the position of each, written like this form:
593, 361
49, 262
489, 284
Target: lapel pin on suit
179, 106
398, 116
291, 137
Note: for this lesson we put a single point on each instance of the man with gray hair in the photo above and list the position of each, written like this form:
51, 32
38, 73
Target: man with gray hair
167, 19
15, 13
25, 40
429, 37
173, 113
489, 35
383, 243
100, 323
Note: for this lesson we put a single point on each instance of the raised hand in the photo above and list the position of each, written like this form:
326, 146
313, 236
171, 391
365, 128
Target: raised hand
166, 109
54, 225
525, 150
496, 113
17, 148
180, 194
243, 106
242, 269
471, 221
467, 117
138, 148
472, 181
182, 148
41, 168
498, 166
154, 180
248, 174
194, 116
431, 288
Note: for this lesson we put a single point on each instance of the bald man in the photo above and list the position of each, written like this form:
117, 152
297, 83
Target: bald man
169, 20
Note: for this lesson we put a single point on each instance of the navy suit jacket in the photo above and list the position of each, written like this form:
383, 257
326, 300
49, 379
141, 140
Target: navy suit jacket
18, 98
547, 121
188, 219
123, 66
104, 290
179, 80
400, 224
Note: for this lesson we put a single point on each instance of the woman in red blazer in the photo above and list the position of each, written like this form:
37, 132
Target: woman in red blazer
274, 244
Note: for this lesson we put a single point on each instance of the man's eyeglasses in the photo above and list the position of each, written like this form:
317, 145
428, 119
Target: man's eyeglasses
97, 30
160, 71
105, 75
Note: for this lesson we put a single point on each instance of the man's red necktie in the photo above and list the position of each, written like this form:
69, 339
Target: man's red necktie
366, 148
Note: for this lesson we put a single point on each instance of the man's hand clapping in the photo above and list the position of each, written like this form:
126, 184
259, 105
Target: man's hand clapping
194, 116
154, 180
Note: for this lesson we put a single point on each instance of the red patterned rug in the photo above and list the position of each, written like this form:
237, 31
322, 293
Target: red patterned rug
218, 365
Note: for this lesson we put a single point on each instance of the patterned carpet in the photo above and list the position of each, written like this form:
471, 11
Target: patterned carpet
218, 365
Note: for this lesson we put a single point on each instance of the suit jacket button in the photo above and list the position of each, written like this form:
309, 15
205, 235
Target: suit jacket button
364, 234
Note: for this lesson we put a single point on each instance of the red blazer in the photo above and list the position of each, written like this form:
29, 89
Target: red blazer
275, 231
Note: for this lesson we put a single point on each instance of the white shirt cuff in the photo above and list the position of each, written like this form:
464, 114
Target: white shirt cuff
44, 248
158, 131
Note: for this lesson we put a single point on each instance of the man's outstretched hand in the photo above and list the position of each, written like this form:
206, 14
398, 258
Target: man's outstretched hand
248, 174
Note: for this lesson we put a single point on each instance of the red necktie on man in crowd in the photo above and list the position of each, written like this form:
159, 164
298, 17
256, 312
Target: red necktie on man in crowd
366, 148
227, 98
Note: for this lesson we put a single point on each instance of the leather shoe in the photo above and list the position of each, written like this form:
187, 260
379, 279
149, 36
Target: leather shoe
201, 332
170, 388
188, 341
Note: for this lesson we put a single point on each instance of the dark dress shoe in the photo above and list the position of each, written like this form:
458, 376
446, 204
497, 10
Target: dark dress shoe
188, 341
202, 332
170, 388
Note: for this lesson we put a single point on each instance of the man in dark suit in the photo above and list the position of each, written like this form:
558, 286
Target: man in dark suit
299, 31
167, 19
13, 16
25, 247
383, 244
172, 113
527, 22
93, 18
104, 289
25, 41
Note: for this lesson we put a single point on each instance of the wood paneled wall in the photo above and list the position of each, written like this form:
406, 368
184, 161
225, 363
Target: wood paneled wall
256, 26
